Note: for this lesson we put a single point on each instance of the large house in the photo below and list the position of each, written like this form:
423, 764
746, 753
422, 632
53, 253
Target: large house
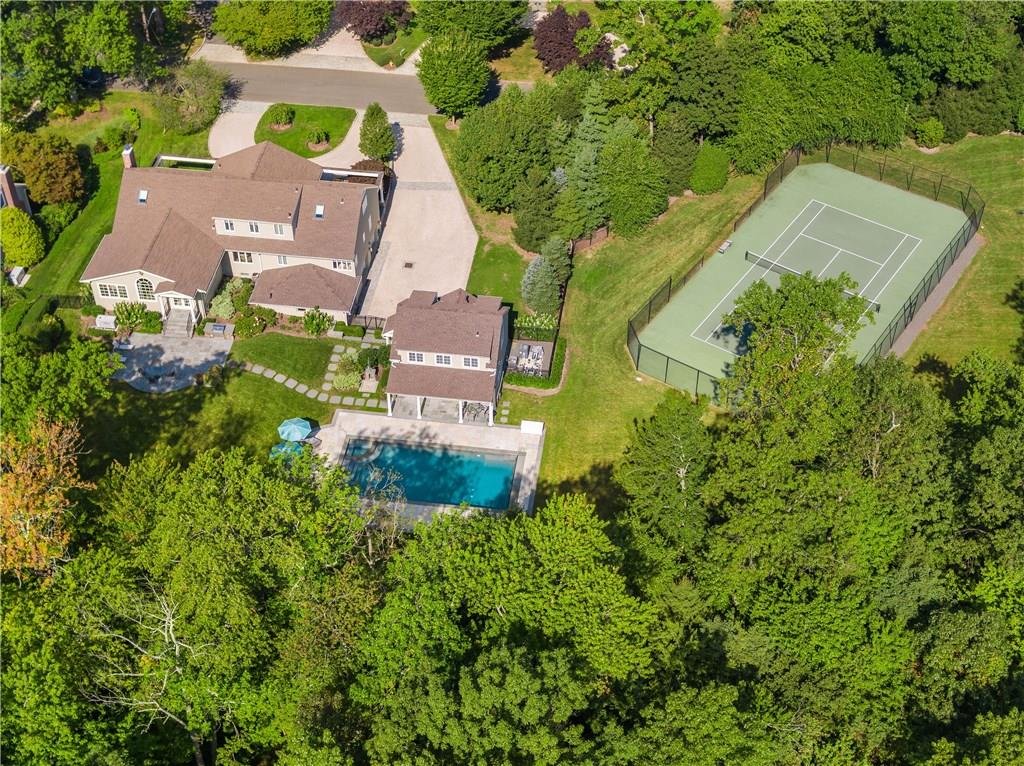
451, 348
305, 234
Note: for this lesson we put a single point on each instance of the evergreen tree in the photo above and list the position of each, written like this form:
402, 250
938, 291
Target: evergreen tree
541, 287
675, 146
555, 253
533, 206
376, 138
559, 141
632, 180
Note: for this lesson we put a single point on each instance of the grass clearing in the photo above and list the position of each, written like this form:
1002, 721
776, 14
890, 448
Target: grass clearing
245, 413
497, 270
334, 119
304, 359
395, 54
517, 61
977, 314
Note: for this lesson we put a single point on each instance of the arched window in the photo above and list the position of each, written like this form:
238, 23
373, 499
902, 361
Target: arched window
145, 288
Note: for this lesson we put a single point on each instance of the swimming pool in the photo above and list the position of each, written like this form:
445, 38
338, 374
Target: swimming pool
435, 475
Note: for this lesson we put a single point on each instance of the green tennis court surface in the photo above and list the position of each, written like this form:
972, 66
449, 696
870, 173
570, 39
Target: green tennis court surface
820, 219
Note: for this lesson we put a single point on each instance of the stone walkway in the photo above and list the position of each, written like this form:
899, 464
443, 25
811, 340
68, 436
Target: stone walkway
324, 393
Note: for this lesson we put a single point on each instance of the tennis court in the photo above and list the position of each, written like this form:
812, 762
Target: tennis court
823, 220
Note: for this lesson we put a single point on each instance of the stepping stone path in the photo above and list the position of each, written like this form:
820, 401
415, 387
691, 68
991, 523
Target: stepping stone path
335, 399
323, 393
302, 388
348, 400
280, 377
502, 420
291, 383
371, 403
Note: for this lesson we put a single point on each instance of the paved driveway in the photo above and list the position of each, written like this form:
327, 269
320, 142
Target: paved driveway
429, 240
235, 129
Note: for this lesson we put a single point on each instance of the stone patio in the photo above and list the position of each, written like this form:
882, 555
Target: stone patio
156, 364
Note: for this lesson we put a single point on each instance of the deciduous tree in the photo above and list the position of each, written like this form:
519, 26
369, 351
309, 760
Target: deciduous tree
491, 23
49, 165
454, 72
633, 181
266, 28
20, 238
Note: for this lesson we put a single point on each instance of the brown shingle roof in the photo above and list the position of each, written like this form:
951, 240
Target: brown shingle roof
305, 286
263, 183
454, 323
441, 382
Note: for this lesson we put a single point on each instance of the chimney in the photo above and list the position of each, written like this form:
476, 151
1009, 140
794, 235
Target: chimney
12, 195
128, 156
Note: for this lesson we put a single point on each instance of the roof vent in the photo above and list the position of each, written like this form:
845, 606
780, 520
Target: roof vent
407, 265
318, 211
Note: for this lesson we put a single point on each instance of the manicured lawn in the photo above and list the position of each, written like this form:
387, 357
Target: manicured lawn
335, 120
244, 413
304, 359
394, 55
977, 314
59, 272
497, 270
517, 61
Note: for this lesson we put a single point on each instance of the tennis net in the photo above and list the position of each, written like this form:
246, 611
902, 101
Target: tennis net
778, 268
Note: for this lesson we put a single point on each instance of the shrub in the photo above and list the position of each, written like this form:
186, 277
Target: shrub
240, 290
316, 322
191, 100
151, 323
352, 331
374, 20
99, 146
317, 136
930, 132
20, 238
453, 69
55, 218
249, 326
117, 134
281, 114
132, 118
540, 286
221, 306
375, 356
346, 381
376, 138
93, 310
710, 169
49, 165
269, 28
96, 332
129, 315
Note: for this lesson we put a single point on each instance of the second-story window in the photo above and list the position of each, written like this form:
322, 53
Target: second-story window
241, 257
415, 356
254, 227
444, 360
279, 228
470, 361
282, 260
229, 225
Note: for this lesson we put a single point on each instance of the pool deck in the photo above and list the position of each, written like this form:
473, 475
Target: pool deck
527, 439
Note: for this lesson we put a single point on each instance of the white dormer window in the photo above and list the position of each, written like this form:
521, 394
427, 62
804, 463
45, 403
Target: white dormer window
229, 225
143, 196
416, 356
445, 360
318, 211
254, 227
279, 228
470, 361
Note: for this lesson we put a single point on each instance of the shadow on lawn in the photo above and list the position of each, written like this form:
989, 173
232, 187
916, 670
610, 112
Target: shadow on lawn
597, 484
1015, 300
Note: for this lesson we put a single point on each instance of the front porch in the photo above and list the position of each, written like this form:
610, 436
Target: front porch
441, 410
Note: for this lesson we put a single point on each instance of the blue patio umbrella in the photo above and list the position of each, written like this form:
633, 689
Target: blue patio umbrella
287, 449
294, 429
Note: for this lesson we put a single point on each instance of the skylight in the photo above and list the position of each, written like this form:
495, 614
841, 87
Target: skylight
143, 196
318, 211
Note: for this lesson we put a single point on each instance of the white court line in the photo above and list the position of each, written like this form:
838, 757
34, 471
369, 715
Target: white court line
838, 251
715, 345
856, 255
869, 220
875, 276
879, 295
776, 261
751, 268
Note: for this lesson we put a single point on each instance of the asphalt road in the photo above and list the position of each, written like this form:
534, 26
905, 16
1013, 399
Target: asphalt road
327, 87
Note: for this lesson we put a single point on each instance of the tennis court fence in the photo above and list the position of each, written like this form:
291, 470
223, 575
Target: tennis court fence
879, 166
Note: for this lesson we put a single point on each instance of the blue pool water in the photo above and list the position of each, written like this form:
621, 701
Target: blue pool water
448, 476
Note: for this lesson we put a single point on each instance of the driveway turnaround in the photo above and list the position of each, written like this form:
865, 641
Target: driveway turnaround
429, 240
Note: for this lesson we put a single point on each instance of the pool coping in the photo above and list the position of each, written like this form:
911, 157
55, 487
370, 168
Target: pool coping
527, 438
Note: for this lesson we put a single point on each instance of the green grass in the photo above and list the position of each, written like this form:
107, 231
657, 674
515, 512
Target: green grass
977, 314
497, 270
517, 61
395, 54
334, 119
244, 413
590, 419
304, 359
59, 272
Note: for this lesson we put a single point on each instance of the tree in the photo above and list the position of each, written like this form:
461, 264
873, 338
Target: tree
491, 24
38, 480
62, 385
710, 169
632, 180
675, 146
191, 100
454, 72
37, 63
376, 138
555, 39
20, 238
374, 20
534, 200
541, 288
49, 165
555, 252
269, 29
